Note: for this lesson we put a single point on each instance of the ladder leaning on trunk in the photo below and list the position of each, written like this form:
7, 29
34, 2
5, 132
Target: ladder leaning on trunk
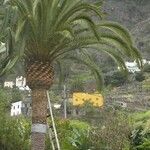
52, 129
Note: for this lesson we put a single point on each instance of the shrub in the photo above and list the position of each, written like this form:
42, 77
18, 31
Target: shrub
116, 78
139, 76
141, 133
146, 68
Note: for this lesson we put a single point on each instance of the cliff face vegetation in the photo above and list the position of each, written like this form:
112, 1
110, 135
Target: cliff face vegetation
135, 15
128, 12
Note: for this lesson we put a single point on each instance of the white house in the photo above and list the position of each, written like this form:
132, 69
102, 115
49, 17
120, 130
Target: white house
2, 47
21, 107
9, 84
21, 83
16, 108
145, 61
132, 67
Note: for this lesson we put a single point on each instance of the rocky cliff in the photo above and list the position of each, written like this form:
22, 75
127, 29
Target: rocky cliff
135, 15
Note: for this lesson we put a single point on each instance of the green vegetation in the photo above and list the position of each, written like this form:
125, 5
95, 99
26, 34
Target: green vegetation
146, 83
62, 36
14, 132
141, 132
16, 95
116, 78
139, 76
96, 128
146, 68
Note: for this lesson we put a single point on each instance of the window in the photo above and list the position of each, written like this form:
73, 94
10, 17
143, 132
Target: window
18, 106
97, 99
76, 99
14, 107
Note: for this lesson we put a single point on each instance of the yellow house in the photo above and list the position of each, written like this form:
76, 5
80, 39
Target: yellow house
80, 98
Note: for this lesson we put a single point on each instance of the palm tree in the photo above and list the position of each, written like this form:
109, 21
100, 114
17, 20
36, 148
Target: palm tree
46, 32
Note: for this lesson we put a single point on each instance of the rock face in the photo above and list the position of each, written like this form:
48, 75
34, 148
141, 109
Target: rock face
135, 15
127, 12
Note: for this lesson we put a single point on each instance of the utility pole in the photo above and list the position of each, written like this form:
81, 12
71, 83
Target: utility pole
65, 101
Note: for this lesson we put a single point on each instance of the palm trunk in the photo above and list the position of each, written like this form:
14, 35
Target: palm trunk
39, 76
39, 112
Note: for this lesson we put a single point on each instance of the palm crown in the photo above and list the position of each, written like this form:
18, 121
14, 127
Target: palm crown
54, 30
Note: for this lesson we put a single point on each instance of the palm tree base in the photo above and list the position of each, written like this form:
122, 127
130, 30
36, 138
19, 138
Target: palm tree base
38, 141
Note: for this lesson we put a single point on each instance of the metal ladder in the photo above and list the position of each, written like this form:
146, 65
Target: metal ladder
52, 129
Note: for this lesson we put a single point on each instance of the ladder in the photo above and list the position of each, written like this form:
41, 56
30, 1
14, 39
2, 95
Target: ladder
52, 129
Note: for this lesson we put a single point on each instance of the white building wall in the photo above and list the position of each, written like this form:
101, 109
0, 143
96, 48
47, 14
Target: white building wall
2, 47
16, 108
145, 61
9, 84
132, 67
20, 81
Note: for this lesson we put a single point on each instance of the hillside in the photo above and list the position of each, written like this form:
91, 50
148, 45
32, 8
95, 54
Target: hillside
135, 15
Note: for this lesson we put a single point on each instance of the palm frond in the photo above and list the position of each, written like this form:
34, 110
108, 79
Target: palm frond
82, 59
118, 58
49, 30
7, 65
118, 30
89, 22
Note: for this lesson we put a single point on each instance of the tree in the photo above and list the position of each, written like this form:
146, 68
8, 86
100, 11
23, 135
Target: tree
46, 32
139, 76
116, 78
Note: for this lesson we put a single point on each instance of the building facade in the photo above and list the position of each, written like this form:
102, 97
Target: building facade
80, 98
20, 82
9, 84
21, 108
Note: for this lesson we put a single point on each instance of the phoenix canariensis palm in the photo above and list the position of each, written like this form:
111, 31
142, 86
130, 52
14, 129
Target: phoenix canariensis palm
48, 32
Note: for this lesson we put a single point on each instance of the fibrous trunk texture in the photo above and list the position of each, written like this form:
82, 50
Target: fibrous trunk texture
39, 76
39, 113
